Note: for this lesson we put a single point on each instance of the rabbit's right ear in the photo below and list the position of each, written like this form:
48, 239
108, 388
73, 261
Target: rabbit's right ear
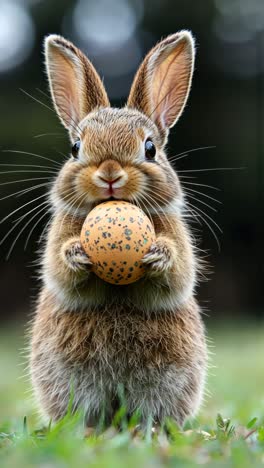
75, 86
162, 83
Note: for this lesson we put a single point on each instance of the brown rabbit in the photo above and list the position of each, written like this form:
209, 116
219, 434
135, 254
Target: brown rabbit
91, 336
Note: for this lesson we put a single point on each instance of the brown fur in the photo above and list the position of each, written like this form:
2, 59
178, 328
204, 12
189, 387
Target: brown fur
142, 341
147, 336
125, 343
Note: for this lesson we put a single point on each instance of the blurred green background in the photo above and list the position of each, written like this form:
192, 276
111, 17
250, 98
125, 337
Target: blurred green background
225, 112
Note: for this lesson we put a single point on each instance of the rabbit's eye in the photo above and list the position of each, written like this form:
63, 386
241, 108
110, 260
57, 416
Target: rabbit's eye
75, 148
150, 150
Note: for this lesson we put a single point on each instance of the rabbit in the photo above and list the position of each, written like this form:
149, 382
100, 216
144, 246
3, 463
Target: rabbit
89, 338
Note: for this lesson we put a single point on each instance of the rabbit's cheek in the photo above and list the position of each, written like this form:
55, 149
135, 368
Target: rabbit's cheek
136, 181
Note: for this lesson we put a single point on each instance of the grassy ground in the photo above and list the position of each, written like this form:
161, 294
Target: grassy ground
236, 387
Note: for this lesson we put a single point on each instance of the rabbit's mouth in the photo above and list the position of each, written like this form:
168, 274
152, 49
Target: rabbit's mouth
112, 198
116, 199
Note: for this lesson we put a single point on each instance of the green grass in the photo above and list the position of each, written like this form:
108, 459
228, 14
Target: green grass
235, 439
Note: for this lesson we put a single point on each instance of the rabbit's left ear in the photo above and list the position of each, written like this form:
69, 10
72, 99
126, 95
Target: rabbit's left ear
162, 83
75, 85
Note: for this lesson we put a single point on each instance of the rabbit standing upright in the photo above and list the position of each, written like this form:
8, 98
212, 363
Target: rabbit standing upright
91, 337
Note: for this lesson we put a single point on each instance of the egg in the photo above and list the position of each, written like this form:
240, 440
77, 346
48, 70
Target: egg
116, 235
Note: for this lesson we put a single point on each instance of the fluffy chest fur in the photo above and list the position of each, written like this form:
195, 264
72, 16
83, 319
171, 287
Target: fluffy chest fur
157, 360
116, 335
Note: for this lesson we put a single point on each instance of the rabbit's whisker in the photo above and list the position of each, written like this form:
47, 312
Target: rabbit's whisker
209, 217
71, 201
79, 204
148, 201
65, 157
32, 154
19, 193
201, 214
26, 171
23, 229
76, 125
212, 169
135, 200
57, 135
21, 207
24, 180
159, 210
193, 214
34, 227
21, 219
201, 185
159, 196
187, 189
200, 201
48, 107
44, 230
26, 165
184, 154
196, 213
186, 177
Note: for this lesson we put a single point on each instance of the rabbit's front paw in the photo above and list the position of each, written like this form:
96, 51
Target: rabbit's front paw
75, 257
159, 258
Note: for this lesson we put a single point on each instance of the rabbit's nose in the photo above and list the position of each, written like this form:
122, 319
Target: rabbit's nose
110, 174
110, 179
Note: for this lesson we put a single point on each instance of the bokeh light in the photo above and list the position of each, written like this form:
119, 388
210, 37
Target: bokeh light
108, 31
106, 22
250, 14
29, 2
17, 34
237, 28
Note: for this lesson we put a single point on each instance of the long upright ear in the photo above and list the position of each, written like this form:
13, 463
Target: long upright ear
162, 83
75, 86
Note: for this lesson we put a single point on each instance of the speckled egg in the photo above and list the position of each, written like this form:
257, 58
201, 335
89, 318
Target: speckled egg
116, 235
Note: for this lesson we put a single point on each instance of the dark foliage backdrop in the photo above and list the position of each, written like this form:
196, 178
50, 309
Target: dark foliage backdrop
225, 111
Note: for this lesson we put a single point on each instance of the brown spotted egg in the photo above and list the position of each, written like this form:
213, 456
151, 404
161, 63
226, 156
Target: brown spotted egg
116, 235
